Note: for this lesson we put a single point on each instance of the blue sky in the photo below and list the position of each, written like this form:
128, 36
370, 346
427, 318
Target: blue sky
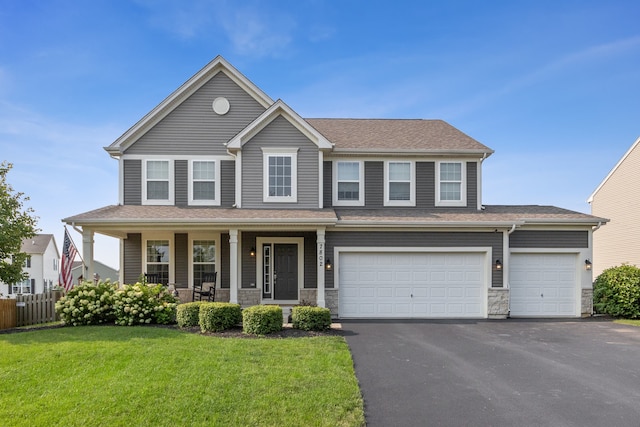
551, 86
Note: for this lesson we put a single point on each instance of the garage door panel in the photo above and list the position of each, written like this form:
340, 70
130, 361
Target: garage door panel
412, 285
543, 285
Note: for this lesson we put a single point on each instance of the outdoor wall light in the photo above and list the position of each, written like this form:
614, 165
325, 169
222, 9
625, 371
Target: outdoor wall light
328, 264
587, 265
252, 251
498, 265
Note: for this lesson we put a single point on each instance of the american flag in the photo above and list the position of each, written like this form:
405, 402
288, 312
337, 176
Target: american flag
69, 252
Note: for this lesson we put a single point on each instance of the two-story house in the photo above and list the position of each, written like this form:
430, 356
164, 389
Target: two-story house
372, 218
42, 267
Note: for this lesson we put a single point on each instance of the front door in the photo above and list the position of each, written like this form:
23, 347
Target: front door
285, 271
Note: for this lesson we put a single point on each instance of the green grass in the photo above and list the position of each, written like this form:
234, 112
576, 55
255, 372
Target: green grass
143, 376
628, 322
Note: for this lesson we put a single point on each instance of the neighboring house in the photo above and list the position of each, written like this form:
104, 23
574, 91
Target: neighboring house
618, 198
371, 218
103, 272
42, 266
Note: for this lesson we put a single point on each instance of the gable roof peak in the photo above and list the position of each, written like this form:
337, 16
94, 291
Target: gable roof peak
217, 65
614, 169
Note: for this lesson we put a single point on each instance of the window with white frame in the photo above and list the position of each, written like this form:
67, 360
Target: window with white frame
399, 183
450, 186
280, 175
204, 185
158, 182
348, 183
157, 259
203, 259
55, 264
27, 262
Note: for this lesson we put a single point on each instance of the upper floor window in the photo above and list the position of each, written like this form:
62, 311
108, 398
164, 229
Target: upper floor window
158, 182
348, 183
27, 262
204, 185
399, 189
280, 175
55, 264
450, 186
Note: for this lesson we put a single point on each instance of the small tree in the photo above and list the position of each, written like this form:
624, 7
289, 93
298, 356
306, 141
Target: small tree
16, 224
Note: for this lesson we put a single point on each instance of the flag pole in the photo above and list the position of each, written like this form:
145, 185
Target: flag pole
74, 244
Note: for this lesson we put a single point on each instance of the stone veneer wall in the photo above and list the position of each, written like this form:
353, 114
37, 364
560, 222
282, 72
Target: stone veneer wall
498, 307
586, 302
331, 301
308, 296
249, 297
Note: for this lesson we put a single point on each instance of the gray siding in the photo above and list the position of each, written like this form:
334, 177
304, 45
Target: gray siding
193, 127
132, 182
327, 190
227, 183
223, 270
379, 239
425, 185
181, 260
373, 184
181, 182
132, 257
282, 134
472, 185
549, 239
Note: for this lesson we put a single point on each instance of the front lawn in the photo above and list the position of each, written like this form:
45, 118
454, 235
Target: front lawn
146, 376
633, 322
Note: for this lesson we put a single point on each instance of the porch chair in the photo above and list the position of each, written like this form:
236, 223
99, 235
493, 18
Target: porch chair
208, 279
152, 278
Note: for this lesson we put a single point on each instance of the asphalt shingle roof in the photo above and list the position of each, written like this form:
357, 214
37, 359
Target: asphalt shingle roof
396, 134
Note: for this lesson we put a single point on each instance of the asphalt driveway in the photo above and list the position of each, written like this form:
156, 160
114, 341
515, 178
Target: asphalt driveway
497, 373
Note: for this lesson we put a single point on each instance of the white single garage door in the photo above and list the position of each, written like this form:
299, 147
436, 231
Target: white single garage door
412, 285
543, 285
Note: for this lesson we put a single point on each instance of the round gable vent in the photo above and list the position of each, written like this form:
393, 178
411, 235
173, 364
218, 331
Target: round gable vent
221, 105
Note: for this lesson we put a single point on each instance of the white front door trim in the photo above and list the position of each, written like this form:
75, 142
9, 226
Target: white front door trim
260, 241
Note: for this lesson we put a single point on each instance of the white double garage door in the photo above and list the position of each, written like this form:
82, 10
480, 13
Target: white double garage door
451, 284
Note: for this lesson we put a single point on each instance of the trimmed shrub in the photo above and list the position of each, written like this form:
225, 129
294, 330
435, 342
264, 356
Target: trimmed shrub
616, 292
143, 304
87, 304
188, 314
262, 319
218, 316
310, 318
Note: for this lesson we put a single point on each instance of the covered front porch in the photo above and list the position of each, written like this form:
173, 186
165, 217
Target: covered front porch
254, 265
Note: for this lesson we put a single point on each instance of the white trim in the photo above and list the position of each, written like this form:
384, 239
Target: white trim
320, 179
176, 157
260, 241
171, 196
121, 182
615, 168
216, 200
334, 183
238, 164
486, 250
268, 153
463, 184
479, 185
412, 184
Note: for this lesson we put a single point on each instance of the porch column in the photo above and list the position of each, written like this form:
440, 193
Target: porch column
233, 266
87, 253
320, 262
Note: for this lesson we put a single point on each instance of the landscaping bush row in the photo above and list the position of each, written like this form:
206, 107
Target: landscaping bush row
257, 320
106, 302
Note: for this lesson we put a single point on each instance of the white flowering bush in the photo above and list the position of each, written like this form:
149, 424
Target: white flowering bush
143, 304
87, 304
